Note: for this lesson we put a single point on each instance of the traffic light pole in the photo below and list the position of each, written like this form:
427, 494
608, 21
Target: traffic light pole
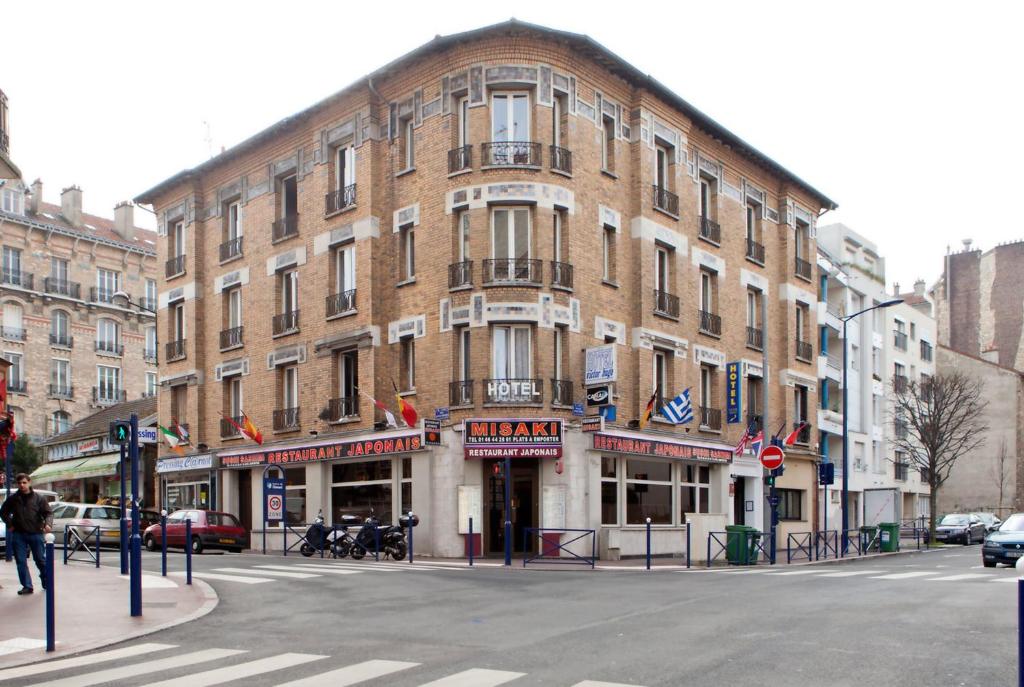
122, 471
136, 541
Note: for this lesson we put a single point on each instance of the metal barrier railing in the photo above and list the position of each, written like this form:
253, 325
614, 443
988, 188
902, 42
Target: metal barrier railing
852, 543
755, 545
76, 540
549, 546
801, 541
825, 541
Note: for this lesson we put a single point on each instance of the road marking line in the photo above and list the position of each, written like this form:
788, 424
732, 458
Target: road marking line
250, 571
231, 673
136, 669
1007, 579
903, 576
743, 572
475, 677
353, 674
796, 572
340, 566
956, 578
227, 578
852, 573
319, 570
594, 683
78, 661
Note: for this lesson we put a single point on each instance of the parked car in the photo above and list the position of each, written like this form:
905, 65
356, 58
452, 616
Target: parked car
51, 497
960, 527
991, 520
1006, 544
82, 517
210, 530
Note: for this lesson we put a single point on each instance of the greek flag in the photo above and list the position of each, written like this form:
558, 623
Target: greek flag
678, 410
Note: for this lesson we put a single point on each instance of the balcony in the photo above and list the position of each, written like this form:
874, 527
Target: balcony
62, 340
666, 304
755, 252
283, 228
17, 386
229, 430
108, 395
803, 437
755, 338
341, 303
98, 294
709, 323
665, 200
149, 356
286, 419
803, 269
899, 340
62, 287
561, 275
711, 418
174, 267
512, 270
285, 323
12, 333
60, 391
340, 199
510, 154
460, 159
109, 348
460, 393
804, 351
514, 391
174, 350
343, 408
231, 249
460, 274
16, 277
561, 392
231, 338
710, 231
900, 384
834, 361
561, 160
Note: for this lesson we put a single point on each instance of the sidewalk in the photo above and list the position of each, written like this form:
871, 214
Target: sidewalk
91, 609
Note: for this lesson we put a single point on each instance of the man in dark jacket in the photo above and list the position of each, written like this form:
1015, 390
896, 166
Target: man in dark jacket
28, 517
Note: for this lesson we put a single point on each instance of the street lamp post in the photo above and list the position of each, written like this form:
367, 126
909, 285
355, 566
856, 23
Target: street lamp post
846, 415
122, 295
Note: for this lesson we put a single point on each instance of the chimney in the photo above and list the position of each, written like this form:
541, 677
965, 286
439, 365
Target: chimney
896, 288
124, 220
71, 205
919, 288
37, 196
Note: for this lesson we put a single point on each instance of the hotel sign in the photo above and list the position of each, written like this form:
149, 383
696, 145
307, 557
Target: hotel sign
512, 391
733, 393
660, 449
339, 449
513, 438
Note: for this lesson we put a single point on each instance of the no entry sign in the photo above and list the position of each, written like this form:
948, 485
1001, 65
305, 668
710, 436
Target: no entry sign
772, 457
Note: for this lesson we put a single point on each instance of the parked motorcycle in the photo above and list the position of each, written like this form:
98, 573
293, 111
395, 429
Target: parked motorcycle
391, 539
319, 537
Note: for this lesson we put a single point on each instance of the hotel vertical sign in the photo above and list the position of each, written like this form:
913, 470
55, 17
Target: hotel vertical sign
733, 393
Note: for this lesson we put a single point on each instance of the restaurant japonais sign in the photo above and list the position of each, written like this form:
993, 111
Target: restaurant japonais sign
339, 449
660, 449
513, 438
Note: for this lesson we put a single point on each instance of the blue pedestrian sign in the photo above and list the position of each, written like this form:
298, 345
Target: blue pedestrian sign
577, 409
441, 413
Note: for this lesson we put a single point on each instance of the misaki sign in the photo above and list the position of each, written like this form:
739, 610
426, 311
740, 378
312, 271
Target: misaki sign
513, 438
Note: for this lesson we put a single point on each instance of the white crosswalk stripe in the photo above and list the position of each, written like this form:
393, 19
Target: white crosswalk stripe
957, 578
352, 675
16, 644
229, 673
797, 572
475, 677
226, 578
594, 683
318, 569
145, 668
271, 573
854, 573
79, 661
903, 576
1007, 579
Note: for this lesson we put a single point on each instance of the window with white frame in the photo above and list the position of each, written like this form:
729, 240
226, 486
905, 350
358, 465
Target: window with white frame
151, 293
511, 352
608, 253
660, 375
510, 233
462, 236
462, 108
345, 276
609, 490
12, 201
59, 270
407, 250
108, 383
150, 352
289, 289
607, 143
708, 197
108, 282
348, 383
290, 387
662, 166
178, 321
16, 373
287, 197
177, 239
151, 384
407, 142
694, 490
234, 398
234, 307
344, 167
233, 219
510, 117
60, 422
11, 265
60, 377
108, 336
407, 363
13, 323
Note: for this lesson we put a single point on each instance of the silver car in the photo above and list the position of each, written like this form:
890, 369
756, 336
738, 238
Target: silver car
50, 496
82, 517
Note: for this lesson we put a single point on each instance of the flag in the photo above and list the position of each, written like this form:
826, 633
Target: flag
182, 433
792, 436
250, 430
172, 439
756, 442
646, 417
679, 411
744, 440
387, 413
405, 408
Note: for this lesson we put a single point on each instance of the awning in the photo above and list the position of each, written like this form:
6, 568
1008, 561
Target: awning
94, 466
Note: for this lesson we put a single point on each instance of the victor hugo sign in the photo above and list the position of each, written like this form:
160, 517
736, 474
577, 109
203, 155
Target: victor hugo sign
513, 438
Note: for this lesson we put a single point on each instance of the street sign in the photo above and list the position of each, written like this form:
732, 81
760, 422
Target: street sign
147, 435
773, 501
442, 414
771, 457
273, 493
826, 473
120, 431
599, 395
577, 409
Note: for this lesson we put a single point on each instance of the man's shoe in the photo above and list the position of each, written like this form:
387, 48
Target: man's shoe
25, 590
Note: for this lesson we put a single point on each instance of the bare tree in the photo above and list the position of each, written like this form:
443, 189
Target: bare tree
937, 422
1001, 472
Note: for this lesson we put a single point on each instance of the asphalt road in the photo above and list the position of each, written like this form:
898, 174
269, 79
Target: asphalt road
927, 619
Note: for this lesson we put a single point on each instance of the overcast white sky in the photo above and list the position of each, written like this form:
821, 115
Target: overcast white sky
885, 107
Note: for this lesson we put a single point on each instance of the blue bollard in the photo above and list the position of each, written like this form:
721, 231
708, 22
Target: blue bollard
687, 546
648, 543
1020, 632
163, 543
188, 551
376, 543
410, 537
471, 542
65, 546
97, 547
50, 609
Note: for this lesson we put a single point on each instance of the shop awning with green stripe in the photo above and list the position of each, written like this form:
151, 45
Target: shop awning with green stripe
52, 472
94, 466
99, 466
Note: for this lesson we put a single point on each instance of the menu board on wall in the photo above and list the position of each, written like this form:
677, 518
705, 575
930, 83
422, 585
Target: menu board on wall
471, 506
553, 500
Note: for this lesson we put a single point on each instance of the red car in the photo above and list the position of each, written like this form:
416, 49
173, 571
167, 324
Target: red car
210, 530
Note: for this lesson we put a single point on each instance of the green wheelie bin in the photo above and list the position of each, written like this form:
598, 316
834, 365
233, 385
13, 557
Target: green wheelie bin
738, 542
889, 534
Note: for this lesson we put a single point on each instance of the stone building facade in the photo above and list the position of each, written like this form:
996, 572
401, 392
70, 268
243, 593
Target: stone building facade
463, 226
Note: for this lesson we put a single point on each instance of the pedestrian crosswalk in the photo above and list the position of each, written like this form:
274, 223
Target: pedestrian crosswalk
172, 666
259, 572
940, 574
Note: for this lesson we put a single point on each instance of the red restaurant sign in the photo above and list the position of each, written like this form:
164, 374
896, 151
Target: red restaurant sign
660, 449
339, 449
513, 438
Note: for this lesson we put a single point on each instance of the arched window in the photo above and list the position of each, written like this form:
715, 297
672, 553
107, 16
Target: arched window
60, 328
13, 328
60, 422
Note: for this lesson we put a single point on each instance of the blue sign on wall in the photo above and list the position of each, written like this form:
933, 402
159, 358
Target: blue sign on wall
733, 393
577, 409
609, 413
441, 413
273, 498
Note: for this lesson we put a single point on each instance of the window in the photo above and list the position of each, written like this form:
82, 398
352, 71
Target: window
511, 233
608, 143
178, 322
345, 275
59, 270
108, 283
800, 405
753, 308
694, 490
661, 166
150, 352
348, 381
290, 386
234, 400
755, 249
11, 200
660, 376
11, 265
608, 253
344, 168
465, 355
60, 328
177, 239
462, 238
510, 352
462, 107
108, 382
708, 291
801, 322
462, 390
407, 250
609, 490
108, 336
510, 117
558, 114
359, 488
179, 402
289, 287
407, 364
407, 143
790, 504
233, 220
60, 422
661, 269
557, 350
708, 198
233, 298
648, 492
288, 197
60, 377
16, 373
151, 384
151, 294
13, 324
926, 351
295, 495
707, 384
556, 236
801, 238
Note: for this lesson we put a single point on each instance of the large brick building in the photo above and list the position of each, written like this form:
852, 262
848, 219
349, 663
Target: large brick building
465, 224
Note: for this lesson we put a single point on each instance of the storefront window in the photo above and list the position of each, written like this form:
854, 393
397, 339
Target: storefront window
187, 495
406, 485
609, 491
648, 492
295, 495
360, 488
694, 493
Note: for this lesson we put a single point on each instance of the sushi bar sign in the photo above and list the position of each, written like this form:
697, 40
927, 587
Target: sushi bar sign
513, 438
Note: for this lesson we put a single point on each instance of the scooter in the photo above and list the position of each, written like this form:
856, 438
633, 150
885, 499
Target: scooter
318, 538
391, 539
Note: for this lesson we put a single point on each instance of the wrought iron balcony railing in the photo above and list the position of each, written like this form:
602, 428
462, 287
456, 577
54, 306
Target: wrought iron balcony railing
232, 338
803, 268
899, 339
460, 274
755, 338
803, 437
63, 340
286, 419
108, 395
755, 251
710, 418
229, 430
338, 303
804, 350
174, 350
666, 304
284, 228
12, 333
230, 249
64, 391
174, 266
561, 274
511, 154
338, 200
17, 386
520, 270
109, 347
665, 200
344, 407
460, 159
710, 231
561, 159
16, 277
62, 287
286, 322
460, 393
710, 323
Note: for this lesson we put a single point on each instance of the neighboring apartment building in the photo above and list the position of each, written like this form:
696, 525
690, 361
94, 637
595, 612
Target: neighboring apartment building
466, 224
73, 348
8, 170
